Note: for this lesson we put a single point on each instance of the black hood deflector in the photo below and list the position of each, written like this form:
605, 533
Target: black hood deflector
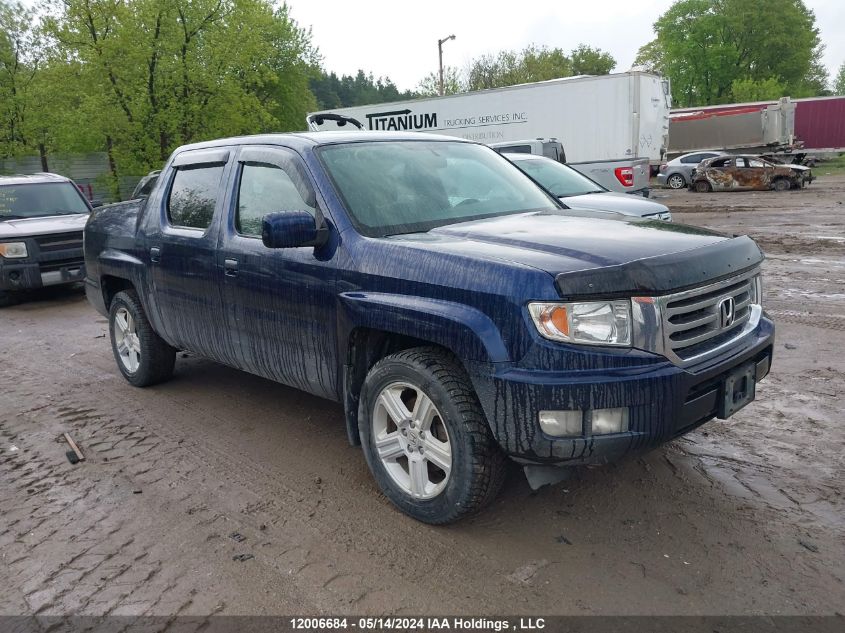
664, 273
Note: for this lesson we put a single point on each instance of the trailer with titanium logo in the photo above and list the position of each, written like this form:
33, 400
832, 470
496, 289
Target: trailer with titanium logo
611, 126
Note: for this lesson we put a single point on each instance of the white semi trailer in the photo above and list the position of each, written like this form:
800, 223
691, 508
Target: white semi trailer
611, 126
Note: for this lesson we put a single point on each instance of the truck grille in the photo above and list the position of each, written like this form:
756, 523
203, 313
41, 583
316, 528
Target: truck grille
700, 321
59, 242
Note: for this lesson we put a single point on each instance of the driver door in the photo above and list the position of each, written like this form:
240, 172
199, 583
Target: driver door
280, 302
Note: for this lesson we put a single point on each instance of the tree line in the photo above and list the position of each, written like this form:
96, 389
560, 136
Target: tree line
137, 78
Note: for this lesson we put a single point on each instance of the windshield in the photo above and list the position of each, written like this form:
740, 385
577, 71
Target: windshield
35, 200
558, 178
391, 188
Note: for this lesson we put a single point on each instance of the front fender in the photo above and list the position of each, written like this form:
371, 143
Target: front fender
466, 331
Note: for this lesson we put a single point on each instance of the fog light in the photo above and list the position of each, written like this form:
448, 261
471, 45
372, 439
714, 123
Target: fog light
610, 421
561, 423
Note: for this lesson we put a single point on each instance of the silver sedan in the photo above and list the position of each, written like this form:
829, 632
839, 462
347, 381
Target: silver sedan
676, 173
577, 191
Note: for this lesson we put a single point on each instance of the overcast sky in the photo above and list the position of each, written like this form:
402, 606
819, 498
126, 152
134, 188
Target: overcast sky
398, 39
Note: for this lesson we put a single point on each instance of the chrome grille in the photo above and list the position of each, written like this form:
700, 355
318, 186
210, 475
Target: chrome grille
694, 325
700, 320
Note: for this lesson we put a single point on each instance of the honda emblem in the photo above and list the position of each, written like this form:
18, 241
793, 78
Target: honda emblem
727, 312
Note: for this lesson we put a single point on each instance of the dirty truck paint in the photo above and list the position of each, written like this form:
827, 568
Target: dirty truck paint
291, 314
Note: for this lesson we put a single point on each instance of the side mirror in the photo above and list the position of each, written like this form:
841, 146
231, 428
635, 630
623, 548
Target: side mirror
291, 229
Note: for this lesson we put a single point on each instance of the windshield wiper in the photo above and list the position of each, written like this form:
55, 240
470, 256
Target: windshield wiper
12, 217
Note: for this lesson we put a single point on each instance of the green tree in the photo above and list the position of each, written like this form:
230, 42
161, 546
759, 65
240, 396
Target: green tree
19, 60
704, 46
839, 81
363, 88
143, 76
591, 61
453, 83
533, 63
743, 90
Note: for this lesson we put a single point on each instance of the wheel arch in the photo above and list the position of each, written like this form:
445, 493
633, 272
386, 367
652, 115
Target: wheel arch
380, 325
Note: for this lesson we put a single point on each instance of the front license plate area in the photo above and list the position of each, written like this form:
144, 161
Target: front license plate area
737, 391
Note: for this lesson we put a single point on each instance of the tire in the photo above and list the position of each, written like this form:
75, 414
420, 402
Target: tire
142, 356
676, 181
455, 432
7, 299
702, 186
781, 184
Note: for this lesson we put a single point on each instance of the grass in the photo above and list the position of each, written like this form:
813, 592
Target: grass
835, 167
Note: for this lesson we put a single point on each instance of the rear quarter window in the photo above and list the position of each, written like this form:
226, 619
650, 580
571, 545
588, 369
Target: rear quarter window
193, 196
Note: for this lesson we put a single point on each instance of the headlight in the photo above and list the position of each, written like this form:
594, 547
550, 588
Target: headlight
587, 322
13, 250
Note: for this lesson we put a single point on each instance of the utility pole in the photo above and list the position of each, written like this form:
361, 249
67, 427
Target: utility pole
440, 54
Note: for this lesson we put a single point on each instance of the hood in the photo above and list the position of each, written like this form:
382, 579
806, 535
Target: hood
592, 255
28, 227
565, 240
617, 202
798, 167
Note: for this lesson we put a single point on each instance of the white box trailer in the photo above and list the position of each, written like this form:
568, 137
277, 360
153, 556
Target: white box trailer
611, 126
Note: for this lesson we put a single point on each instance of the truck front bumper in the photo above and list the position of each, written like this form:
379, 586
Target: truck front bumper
29, 275
663, 401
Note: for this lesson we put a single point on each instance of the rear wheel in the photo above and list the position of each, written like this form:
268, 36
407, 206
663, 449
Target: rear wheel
676, 181
782, 184
702, 186
426, 439
142, 356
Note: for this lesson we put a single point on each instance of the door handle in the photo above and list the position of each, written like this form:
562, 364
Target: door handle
230, 267
155, 254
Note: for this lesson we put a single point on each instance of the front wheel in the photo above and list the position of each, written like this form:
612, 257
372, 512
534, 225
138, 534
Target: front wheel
425, 437
702, 186
782, 184
142, 356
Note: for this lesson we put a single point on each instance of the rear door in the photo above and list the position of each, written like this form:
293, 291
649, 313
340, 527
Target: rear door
280, 303
751, 173
182, 251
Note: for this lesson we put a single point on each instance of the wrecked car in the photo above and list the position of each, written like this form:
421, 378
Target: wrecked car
461, 313
747, 173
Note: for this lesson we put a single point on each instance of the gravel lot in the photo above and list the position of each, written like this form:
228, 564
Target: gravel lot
741, 516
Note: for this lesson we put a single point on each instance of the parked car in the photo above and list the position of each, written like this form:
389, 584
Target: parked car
459, 312
676, 174
743, 173
577, 191
41, 221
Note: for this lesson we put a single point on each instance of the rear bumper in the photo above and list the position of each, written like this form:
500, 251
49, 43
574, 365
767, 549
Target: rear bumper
663, 401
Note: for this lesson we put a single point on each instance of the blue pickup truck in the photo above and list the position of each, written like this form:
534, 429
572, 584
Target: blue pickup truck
461, 313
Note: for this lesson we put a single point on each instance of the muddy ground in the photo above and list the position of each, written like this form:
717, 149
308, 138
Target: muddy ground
741, 516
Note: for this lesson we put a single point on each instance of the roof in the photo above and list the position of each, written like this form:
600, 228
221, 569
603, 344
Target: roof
525, 156
300, 140
32, 179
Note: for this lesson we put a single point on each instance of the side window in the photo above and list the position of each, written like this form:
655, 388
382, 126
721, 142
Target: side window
193, 196
514, 149
754, 162
693, 158
265, 189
